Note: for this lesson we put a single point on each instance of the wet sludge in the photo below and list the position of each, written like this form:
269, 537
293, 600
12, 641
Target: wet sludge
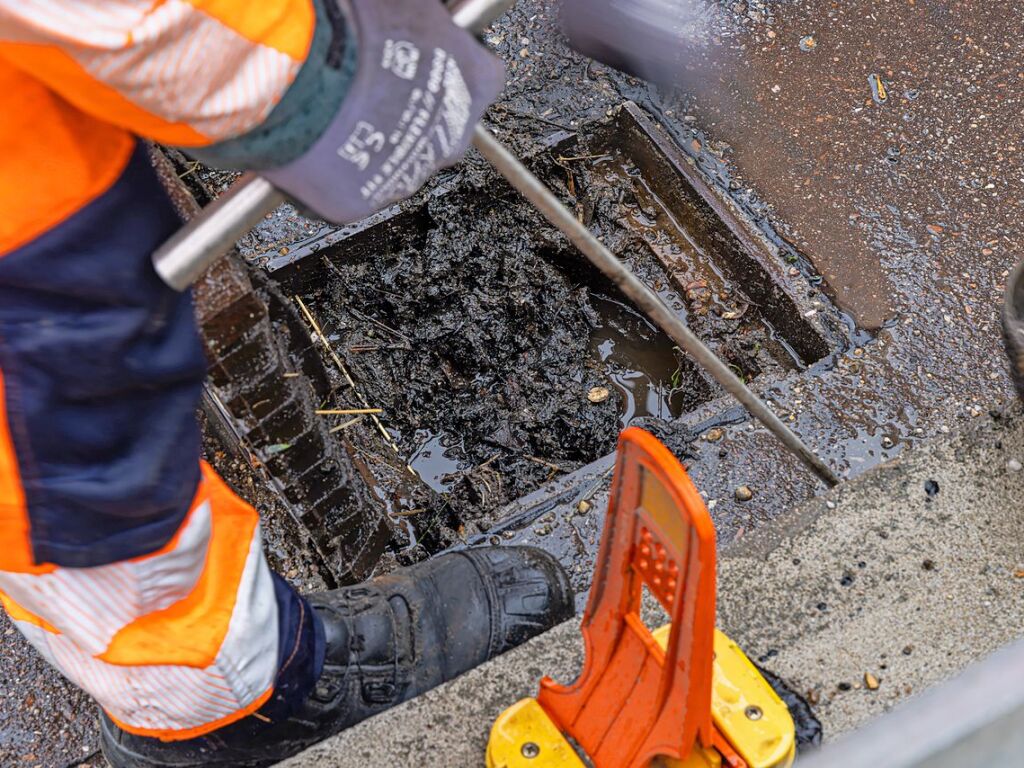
488, 342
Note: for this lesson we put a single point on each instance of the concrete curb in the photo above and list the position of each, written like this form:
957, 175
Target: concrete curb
909, 573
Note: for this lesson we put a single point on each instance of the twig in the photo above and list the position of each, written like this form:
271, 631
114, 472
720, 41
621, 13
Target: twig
524, 116
555, 469
346, 411
542, 462
379, 324
408, 512
488, 462
381, 290
344, 371
192, 169
563, 159
346, 425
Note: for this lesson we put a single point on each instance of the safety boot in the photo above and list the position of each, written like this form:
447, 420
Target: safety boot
387, 640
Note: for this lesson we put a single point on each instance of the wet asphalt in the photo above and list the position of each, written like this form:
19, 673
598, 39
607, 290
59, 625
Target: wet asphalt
908, 207
904, 211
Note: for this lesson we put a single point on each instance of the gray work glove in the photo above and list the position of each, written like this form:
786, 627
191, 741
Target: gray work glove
421, 86
652, 39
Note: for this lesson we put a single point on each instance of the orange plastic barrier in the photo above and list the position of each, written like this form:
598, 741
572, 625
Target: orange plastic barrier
634, 701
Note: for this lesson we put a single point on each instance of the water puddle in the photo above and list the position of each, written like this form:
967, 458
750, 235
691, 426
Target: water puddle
640, 363
437, 461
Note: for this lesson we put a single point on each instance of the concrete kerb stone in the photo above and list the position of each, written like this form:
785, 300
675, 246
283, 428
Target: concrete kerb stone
907, 574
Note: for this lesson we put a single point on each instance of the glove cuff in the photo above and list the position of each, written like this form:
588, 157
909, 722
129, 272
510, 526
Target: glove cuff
307, 107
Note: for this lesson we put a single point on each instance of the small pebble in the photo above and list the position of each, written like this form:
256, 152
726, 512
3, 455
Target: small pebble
714, 435
1014, 466
743, 493
584, 506
808, 43
870, 681
598, 394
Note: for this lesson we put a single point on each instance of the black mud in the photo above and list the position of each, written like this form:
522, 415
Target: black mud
477, 348
498, 356
808, 727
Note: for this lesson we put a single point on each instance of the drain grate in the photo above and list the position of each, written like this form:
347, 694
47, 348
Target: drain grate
480, 333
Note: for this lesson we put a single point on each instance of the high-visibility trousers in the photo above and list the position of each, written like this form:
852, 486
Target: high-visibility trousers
124, 560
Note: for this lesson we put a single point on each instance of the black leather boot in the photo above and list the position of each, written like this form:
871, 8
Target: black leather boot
387, 641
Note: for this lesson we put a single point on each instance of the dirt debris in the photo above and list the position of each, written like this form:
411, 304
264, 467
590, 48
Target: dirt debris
472, 338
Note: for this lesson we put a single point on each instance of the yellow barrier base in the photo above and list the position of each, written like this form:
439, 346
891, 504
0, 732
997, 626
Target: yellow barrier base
744, 707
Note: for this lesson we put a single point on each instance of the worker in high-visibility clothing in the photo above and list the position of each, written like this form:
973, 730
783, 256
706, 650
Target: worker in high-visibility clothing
124, 559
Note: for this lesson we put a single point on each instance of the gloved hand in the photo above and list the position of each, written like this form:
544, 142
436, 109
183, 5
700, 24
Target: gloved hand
420, 87
652, 39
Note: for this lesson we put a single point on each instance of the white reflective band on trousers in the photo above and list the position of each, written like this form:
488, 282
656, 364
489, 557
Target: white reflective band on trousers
173, 644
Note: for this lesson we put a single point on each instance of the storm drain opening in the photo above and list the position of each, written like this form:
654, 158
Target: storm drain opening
469, 340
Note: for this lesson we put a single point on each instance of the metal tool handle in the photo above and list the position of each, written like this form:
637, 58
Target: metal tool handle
212, 233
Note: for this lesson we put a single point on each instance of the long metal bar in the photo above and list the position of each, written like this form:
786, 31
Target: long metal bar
509, 166
208, 236
212, 233
975, 719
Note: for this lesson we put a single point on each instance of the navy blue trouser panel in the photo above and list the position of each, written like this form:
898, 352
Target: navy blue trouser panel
103, 368
102, 371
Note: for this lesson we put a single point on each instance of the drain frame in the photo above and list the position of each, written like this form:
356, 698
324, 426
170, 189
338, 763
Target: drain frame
800, 312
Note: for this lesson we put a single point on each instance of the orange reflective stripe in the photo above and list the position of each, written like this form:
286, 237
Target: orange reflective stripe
66, 76
190, 632
285, 25
146, 66
16, 552
175, 644
56, 160
15, 540
17, 613
191, 733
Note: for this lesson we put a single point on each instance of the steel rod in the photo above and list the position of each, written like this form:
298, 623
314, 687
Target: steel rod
509, 166
212, 233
